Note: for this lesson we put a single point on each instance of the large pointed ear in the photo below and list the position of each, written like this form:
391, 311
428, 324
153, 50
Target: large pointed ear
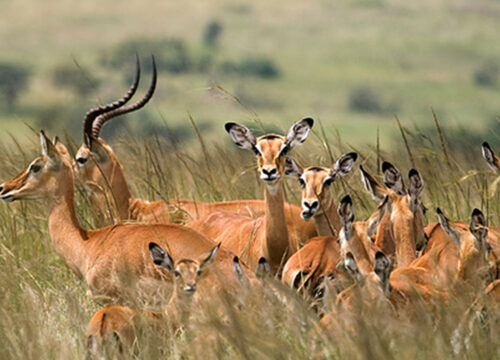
49, 150
292, 168
372, 186
479, 228
352, 267
242, 136
377, 216
490, 157
238, 271
344, 164
448, 227
393, 179
263, 268
346, 215
415, 188
161, 257
99, 151
382, 267
206, 259
297, 134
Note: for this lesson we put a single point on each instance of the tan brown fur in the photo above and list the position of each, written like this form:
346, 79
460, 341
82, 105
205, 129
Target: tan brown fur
113, 261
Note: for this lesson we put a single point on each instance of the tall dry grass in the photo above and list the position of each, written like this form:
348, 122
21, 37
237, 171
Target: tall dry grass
44, 308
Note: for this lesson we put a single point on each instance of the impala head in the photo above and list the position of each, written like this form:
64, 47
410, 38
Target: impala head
355, 237
368, 287
270, 149
95, 161
406, 208
186, 272
491, 159
315, 182
474, 250
44, 176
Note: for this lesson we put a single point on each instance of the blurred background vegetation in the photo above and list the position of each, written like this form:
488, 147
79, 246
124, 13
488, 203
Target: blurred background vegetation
354, 64
350, 64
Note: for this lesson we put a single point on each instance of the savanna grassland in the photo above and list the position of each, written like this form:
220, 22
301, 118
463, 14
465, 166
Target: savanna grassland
309, 58
283, 60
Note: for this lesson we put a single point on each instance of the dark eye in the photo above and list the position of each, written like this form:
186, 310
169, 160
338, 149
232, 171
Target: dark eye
302, 183
284, 151
35, 168
198, 272
327, 182
81, 160
177, 274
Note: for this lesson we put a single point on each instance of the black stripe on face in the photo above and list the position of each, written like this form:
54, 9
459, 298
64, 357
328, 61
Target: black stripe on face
270, 137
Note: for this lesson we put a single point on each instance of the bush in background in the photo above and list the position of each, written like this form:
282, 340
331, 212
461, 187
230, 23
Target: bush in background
364, 99
262, 66
486, 74
13, 80
212, 33
171, 54
70, 77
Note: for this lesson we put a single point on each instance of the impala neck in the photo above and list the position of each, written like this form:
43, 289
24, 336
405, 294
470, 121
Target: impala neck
327, 220
121, 192
278, 244
405, 243
178, 310
67, 235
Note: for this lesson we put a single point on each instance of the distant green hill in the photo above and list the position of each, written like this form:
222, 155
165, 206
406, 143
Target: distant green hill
352, 64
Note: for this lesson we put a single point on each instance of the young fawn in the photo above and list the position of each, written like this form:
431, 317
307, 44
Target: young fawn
121, 323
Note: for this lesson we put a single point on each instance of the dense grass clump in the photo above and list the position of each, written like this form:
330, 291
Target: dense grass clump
45, 308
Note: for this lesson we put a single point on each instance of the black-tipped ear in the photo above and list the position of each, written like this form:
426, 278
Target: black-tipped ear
490, 157
241, 136
415, 187
352, 267
377, 216
372, 186
344, 164
160, 257
478, 226
207, 258
298, 133
393, 178
448, 227
382, 267
346, 214
49, 151
238, 270
292, 168
263, 268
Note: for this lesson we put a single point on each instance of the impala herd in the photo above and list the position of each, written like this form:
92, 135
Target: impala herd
389, 262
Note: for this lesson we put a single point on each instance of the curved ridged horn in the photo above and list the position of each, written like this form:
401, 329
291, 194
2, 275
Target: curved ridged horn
101, 119
93, 113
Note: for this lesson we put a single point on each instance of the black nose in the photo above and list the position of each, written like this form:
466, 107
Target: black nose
270, 172
312, 205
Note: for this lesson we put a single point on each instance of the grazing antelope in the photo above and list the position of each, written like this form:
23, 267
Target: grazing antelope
272, 235
113, 260
98, 168
401, 232
121, 323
